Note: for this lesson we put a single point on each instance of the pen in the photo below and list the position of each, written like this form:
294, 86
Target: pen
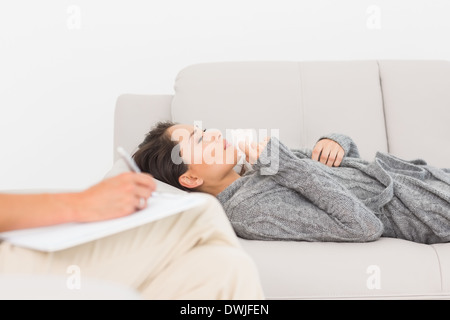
129, 160
131, 163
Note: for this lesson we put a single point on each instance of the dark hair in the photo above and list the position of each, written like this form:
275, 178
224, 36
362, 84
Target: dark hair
155, 156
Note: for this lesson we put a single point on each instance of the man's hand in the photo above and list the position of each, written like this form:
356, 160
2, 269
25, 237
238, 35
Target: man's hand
253, 150
114, 197
328, 152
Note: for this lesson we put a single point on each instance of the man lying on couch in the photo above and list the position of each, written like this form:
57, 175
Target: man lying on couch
325, 194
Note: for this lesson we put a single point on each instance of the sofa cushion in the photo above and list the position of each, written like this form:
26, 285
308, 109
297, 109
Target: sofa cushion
303, 100
387, 268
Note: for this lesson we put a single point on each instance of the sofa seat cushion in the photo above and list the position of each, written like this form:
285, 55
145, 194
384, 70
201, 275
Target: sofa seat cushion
387, 268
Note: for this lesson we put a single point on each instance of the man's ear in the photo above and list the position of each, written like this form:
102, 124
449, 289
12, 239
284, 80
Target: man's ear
190, 181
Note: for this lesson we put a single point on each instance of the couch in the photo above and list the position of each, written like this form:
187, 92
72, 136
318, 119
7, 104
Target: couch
400, 107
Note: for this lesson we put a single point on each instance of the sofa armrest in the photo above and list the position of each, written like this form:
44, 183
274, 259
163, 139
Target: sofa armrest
135, 115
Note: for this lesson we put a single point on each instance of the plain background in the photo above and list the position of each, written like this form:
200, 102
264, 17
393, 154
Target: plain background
64, 63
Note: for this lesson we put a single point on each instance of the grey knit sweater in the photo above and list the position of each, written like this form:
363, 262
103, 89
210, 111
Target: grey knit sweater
288, 196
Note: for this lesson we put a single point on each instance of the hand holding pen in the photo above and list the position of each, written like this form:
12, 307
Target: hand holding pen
134, 168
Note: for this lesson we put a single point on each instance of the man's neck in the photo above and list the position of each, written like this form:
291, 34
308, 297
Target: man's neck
223, 184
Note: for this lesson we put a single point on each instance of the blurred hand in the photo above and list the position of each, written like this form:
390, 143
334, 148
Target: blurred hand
253, 150
328, 152
114, 197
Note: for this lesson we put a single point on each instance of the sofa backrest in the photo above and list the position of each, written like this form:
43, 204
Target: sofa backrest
401, 107
303, 100
416, 98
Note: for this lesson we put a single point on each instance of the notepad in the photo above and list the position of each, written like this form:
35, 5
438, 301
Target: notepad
63, 236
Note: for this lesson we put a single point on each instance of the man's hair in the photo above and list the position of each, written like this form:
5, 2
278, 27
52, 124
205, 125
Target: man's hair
155, 154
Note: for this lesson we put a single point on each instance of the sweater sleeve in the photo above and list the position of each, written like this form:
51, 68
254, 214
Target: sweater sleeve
353, 220
349, 146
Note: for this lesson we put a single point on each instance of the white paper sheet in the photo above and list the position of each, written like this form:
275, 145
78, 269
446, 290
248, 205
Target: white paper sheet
59, 237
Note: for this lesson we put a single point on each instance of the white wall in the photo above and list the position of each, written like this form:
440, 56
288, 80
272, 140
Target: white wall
64, 62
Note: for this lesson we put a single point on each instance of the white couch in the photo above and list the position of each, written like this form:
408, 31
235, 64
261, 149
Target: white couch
401, 107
